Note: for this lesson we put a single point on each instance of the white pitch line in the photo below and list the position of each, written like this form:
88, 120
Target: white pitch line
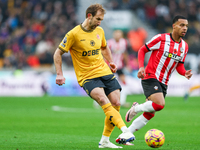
78, 110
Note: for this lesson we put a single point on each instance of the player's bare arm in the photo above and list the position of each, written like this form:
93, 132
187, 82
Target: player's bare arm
108, 56
188, 74
60, 80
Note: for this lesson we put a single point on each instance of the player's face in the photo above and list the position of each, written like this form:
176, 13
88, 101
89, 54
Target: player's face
181, 27
96, 20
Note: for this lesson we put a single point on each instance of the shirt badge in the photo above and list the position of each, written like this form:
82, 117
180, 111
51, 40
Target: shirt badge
92, 43
156, 88
181, 49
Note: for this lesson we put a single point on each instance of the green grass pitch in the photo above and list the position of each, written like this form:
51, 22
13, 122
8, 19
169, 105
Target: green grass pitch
32, 123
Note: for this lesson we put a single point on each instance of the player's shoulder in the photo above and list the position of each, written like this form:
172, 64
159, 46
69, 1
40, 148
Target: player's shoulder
75, 30
156, 37
182, 40
99, 29
72, 33
163, 36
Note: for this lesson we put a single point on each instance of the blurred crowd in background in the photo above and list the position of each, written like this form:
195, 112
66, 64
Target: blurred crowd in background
31, 30
159, 14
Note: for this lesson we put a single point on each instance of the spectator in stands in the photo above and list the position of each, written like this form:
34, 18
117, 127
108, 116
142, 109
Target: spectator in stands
22, 26
29, 17
158, 14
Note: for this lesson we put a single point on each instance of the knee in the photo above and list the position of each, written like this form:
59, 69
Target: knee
162, 104
116, 103
158, 107
102, 100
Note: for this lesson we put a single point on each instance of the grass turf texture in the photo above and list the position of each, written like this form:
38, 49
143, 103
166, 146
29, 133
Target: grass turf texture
31, 124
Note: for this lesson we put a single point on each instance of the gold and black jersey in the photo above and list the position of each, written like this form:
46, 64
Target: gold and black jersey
85, 49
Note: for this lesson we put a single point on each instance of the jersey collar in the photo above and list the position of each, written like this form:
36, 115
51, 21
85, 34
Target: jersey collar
85, 29
174, 40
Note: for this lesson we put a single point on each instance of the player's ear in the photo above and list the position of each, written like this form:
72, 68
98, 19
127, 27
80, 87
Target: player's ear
89, 15
173, 25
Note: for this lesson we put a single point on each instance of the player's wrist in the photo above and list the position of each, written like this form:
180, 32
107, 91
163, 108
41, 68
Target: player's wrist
141, 67
59, 74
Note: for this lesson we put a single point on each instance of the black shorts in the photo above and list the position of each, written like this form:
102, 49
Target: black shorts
151, 86
108, 82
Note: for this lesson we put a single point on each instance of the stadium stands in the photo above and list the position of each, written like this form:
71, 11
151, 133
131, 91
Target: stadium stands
30, 30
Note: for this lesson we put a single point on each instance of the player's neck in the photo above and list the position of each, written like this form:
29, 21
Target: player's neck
85, 26
176, 37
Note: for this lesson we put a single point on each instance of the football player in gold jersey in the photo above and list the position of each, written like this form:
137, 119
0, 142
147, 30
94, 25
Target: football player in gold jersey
87, 45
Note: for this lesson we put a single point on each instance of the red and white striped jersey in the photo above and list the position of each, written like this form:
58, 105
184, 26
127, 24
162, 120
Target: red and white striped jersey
117, 50
165, 56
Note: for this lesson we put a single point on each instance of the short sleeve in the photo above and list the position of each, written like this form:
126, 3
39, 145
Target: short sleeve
67, 42
104, 43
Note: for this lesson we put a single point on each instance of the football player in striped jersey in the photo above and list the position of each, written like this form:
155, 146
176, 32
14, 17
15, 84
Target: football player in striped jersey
168, 53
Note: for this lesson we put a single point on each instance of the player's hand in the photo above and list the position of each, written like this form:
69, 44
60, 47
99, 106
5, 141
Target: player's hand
141, 73
60, 80
188, 74
113, 67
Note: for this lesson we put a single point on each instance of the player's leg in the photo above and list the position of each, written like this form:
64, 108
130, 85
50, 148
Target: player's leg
112, 118
112, 91
113, 115
105, 139
109, 126
92, 88
123, 95
149, 108
126, 136
155, 93
156, 102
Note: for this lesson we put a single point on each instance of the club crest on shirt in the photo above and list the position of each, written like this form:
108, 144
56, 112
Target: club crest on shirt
92, 43
181, 49
156, 88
